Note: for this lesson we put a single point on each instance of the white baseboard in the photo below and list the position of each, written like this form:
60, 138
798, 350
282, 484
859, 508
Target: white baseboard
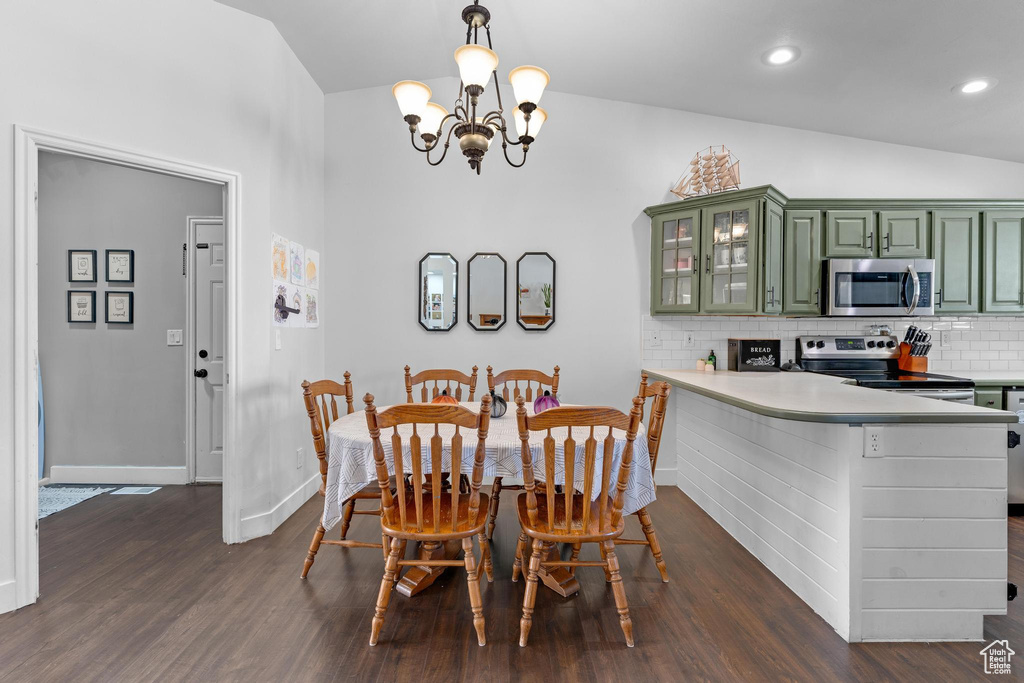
666, 477
8, 597
265, 522
128, 474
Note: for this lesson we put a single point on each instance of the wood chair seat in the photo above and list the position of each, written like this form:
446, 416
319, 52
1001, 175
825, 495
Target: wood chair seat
463, 528
597, 529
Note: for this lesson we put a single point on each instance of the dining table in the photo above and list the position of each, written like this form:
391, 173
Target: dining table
351, 467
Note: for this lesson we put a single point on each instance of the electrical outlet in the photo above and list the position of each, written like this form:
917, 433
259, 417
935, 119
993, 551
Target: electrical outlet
299, 453
944, 339
655, 339
873, 445
688, 340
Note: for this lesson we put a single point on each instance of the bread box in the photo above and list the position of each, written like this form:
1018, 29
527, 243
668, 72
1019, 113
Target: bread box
755, 355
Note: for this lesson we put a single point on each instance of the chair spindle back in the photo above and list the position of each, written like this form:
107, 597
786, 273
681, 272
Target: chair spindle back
433, 382
395, 507
660, 391
592, 423
529, 377
321, 399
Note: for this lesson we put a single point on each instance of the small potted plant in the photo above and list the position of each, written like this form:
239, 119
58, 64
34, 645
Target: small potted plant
545, 290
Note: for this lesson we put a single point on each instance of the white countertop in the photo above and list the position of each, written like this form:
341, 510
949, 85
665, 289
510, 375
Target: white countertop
997, 378
810, 397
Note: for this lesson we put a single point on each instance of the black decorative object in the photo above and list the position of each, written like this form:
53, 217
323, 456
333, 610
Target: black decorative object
755, 355
498, 405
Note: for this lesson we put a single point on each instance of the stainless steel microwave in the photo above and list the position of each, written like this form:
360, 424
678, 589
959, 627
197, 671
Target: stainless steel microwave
879, 286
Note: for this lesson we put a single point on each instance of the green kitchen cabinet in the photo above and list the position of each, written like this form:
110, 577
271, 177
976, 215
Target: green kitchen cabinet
802, 263
850, 234
989, 398
774, 229
902, 234
675, 260
730, 235
1003, 246
956, 245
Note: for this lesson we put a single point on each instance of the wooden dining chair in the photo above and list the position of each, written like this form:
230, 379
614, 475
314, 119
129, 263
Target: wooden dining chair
571, 516
534, 382
321, 399
660, 391
433, 382
420, 510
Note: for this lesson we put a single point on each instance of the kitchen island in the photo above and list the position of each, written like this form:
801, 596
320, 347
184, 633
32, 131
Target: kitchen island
886, 513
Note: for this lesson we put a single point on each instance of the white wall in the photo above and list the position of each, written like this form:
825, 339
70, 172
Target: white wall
200, 82
97, 410
580, 197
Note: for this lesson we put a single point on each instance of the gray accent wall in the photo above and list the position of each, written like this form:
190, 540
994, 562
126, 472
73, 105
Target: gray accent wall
115, 394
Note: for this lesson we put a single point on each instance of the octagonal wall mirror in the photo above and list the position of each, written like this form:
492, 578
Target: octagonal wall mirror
535, 290
486, 303
437, 301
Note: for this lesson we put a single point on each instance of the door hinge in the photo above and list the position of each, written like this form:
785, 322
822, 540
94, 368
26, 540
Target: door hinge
184, 256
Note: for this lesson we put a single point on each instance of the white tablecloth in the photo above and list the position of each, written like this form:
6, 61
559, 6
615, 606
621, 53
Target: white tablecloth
350, 464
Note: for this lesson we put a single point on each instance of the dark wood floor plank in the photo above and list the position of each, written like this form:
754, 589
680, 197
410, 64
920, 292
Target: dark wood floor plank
141, 588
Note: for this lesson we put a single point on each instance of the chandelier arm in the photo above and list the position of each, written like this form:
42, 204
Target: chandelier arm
412, 138
504, 148
506, 138
447, 142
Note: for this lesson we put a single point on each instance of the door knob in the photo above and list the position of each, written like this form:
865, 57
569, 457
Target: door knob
201, 373
203, 353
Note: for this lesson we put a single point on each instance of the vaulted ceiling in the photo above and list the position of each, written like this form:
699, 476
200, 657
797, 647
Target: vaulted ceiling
874, 69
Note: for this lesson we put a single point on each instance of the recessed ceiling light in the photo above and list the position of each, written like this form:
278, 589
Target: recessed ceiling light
778, 56
975, 85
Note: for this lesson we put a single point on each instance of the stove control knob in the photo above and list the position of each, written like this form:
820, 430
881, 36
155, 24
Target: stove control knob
820, 344
891, 344
871, 344
810, 345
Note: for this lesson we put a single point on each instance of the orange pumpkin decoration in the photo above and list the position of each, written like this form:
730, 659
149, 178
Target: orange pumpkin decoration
443, 397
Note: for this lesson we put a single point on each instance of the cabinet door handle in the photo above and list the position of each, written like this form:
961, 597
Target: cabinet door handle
772, 302
938, 297
887, 242
817, 297
871, 241
707, 264
696, 262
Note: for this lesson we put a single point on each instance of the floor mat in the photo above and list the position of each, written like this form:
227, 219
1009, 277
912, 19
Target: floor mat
56, 498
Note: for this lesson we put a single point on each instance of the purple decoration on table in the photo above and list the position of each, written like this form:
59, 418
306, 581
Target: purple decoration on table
544, 402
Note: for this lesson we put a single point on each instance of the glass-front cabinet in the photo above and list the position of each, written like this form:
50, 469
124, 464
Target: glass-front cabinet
675, 263
731, 258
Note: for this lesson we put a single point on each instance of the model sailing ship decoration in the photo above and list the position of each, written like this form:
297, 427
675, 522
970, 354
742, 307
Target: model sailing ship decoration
712, 170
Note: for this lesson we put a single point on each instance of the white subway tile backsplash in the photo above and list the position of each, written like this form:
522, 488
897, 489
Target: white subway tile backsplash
995, 343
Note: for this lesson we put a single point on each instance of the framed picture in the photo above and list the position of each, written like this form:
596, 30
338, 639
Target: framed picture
120, 265
120, 308
81, 307
81, 265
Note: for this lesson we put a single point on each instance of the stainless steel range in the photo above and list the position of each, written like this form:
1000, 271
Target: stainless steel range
873, 362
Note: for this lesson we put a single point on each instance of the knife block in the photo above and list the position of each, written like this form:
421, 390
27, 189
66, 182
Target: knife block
911, 363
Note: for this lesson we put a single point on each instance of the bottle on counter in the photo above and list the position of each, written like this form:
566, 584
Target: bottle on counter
712, 360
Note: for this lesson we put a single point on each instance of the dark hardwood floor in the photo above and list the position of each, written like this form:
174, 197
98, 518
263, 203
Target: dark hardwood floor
141, 588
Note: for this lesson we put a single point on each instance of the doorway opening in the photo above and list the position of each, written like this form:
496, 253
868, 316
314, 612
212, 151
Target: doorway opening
106, 299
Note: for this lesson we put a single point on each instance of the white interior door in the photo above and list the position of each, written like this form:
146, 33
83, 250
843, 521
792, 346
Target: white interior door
209, 327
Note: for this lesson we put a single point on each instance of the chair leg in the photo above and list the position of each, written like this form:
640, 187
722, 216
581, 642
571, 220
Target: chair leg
575, 556
346, 516
485, 550
473, 580
521, 545
318, 536
604, 556
652, 540
619, 591
530, 599
384, 596
493, 512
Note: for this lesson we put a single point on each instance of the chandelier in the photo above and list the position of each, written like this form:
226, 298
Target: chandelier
477, 64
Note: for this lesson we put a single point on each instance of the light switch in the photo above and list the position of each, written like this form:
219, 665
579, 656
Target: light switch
174, 338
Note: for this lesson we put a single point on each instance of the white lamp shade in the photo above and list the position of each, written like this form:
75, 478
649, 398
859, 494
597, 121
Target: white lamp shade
537, 119
476, 63
430, 119
412, 97
528, 83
